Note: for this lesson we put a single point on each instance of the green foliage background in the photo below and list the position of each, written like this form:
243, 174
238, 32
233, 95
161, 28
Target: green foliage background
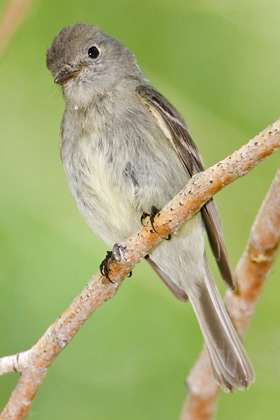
218, 62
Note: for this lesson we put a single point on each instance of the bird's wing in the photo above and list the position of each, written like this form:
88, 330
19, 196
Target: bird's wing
175, 129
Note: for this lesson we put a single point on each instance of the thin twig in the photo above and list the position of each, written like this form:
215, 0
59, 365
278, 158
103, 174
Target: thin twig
251, 273
12, 17
34, 363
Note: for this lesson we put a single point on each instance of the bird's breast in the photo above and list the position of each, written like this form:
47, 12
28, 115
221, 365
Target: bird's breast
118, 171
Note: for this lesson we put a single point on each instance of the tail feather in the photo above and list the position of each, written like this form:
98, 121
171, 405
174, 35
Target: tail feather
232, 367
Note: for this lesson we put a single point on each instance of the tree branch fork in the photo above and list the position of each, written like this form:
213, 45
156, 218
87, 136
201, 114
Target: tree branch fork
252, 271
33, 363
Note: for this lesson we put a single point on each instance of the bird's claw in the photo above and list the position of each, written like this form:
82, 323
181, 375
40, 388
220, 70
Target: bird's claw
112, 256
151, 215
104, 266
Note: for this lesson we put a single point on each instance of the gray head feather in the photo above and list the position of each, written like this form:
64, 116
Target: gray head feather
69, 54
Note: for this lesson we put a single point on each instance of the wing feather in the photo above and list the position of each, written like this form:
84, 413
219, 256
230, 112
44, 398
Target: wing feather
175, 129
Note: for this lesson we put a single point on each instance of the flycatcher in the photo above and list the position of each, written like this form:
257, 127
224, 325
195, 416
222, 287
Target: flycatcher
125, 151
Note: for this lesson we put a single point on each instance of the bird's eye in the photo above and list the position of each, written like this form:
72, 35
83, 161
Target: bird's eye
93, 52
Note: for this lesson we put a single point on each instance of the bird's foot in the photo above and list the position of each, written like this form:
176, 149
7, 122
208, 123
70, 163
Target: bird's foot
112, 256
104, 266
152, 215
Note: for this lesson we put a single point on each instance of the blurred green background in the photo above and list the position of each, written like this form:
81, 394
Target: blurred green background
218, 62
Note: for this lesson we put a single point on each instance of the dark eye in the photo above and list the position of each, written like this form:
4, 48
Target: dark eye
93, 52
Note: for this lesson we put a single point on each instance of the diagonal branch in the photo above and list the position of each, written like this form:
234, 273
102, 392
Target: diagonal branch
251, 273
33, 363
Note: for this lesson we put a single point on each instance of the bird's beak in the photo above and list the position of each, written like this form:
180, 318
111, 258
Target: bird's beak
66, 74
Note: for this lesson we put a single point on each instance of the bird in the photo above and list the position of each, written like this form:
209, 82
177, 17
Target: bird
126, 152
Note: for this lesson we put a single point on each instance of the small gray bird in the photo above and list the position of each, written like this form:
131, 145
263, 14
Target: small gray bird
125, 151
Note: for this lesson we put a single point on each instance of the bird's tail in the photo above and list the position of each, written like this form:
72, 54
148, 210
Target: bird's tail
231, 365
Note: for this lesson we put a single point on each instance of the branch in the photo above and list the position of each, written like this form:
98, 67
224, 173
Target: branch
251, 273
33, 364
12, 17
